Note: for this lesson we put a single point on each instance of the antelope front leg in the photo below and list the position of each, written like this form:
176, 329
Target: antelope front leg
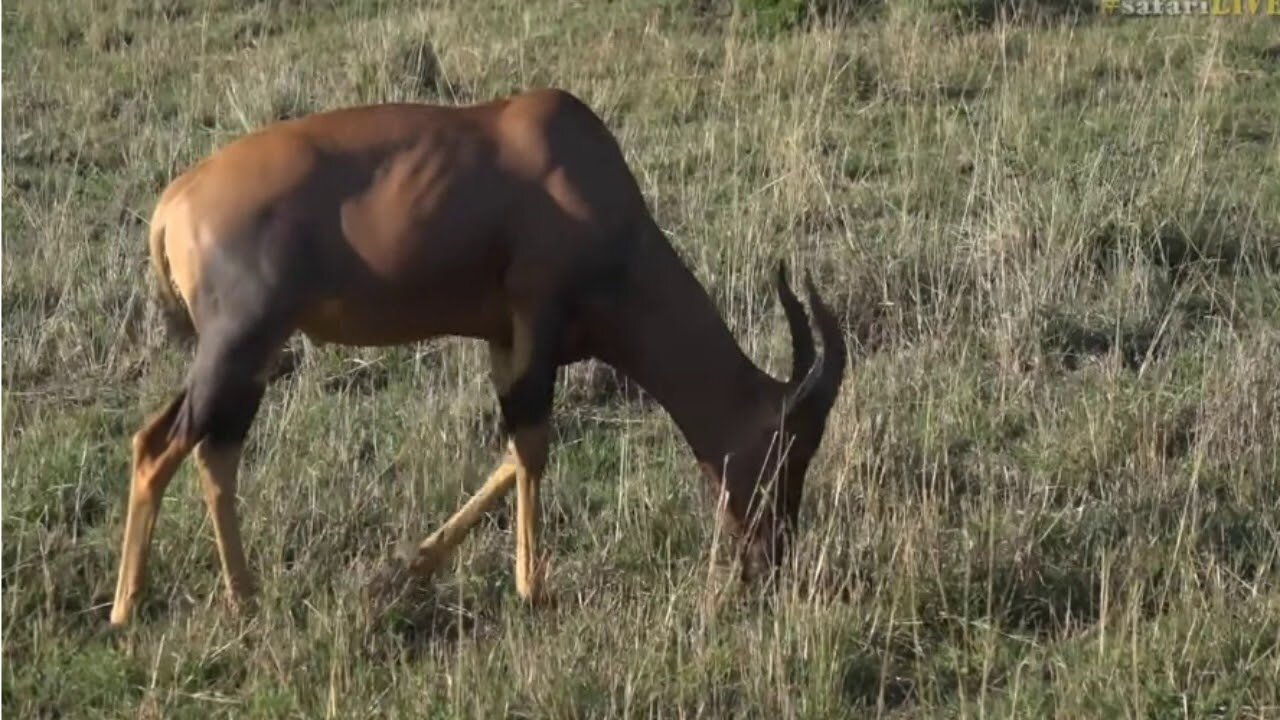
529, 446
525, 379
524, 375
433, 551
519, 470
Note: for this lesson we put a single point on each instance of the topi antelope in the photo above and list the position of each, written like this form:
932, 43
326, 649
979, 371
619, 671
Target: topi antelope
516, 222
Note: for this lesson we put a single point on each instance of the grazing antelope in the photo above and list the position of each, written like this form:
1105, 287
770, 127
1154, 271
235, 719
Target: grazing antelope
516, 222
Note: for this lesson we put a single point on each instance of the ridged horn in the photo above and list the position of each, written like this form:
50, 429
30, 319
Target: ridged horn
812, 399
802, 350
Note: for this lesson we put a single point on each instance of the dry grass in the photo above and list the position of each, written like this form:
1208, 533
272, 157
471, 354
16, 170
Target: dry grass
1050, 486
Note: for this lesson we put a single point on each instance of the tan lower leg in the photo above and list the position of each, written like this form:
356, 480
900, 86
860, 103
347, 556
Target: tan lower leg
433, 551
529, 446
218, 479
528, 572
155, 460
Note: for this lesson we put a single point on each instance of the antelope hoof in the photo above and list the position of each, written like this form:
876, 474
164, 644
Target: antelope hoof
241, 604
123, 606
532, 587
120, 615
425, 562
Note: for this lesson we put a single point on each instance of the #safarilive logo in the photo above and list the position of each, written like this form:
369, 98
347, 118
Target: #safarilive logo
1191, 7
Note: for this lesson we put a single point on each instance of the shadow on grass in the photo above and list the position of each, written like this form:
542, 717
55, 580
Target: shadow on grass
1072, 342
1213, 243
408, 617
869, 681
891, 303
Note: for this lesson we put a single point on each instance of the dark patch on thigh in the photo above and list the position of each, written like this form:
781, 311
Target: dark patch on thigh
233, 412
225, 384
218, 408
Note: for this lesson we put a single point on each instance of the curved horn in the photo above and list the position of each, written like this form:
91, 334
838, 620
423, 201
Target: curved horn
802, 352
813, 398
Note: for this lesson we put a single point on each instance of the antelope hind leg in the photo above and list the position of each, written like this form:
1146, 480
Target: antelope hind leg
156, 457
219, 466
215, 411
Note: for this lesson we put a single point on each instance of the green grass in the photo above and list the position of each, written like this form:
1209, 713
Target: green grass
1051, 486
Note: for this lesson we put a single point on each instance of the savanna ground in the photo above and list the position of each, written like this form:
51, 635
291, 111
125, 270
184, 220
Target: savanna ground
1048, 489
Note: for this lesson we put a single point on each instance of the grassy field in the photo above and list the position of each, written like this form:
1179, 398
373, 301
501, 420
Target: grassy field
1051, 486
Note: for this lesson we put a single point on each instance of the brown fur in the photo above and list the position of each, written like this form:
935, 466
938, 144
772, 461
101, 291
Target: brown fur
516, 222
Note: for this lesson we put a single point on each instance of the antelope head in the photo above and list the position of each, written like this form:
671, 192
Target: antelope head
761, 478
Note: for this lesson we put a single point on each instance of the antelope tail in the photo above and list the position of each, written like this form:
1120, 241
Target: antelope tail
176, 317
